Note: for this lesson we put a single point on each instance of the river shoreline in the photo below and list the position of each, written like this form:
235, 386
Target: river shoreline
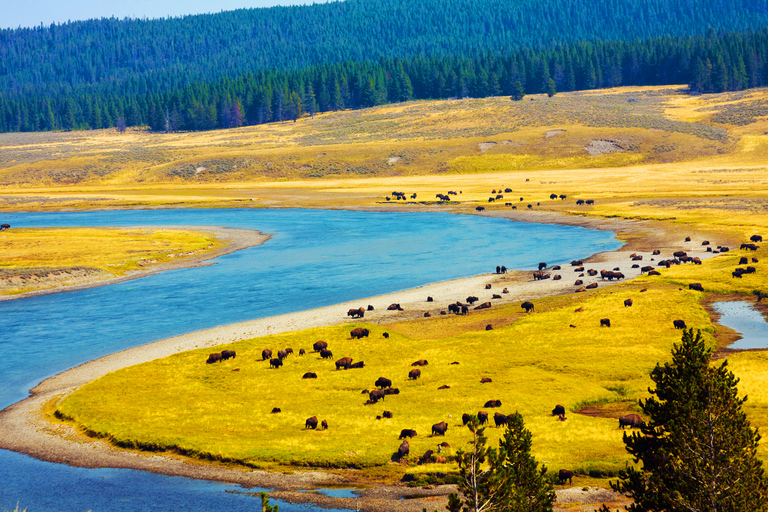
26, 428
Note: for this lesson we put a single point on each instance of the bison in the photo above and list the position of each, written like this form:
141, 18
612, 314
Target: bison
282, 354
356, 313
387, 414
627, 303
420, 362
482, 417
756, 238
376, 395
499, 419
591, 286
605, 322
311, 423
565, 474
439, 429
319, 345
679, 324
558, 410
414, 374
484, 305
391, 391
359, 333
465, 418
485, 380
404, 449
631, 420
527, 306
359, 364
492, 403
214, 358
394, 307
266, 354
326, 354
227, 354
696, 286
471, 299
407, 432
344, 362
309, 375
275, 410
275, 363
383, 382
301, 352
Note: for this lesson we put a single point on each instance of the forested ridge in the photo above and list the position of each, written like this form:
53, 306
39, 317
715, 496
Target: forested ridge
262, 65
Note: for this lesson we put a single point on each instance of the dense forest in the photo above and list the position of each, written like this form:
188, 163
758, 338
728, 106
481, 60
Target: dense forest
261, 65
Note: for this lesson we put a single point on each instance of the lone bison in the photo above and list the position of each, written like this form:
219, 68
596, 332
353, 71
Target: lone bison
627, 303
679, 324
631, 420
565, 474
439, 429
527, 306
695, 286
558, 410
605, 322
311, 423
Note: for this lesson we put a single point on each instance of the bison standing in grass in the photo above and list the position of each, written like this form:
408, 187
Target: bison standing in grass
407, 432
565, 474
359, 333
319, 345
482, 417
404, 449
326, 354
414, 374
275, 363
344, 362
383, 382
558, 410
214, 358
631, 420
527, 306
266, 354
439, 429
679, 324
311, 423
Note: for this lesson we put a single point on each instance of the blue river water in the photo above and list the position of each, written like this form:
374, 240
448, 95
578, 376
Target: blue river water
743, 318
315, 258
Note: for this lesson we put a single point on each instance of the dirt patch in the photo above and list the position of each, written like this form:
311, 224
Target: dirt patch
485, 146
588, 499
608, 410
602, 147
552, 133
393, 160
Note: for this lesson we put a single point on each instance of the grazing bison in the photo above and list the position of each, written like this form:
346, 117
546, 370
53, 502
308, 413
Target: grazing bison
414, 374
480, 208
679, 324
420, 362
319, 345
499, 419
756, 238
558, 410
309, 375
527, 306
394, 307
266, 354
404, 449
344, 362
471, 299
645, 269
565, 474
311, 423
324, 425
743, 261
387, 414
538, 275
3, 227
359, 364
484, 305
275, 410
485, 380
214, 358
439, 429
227, 354
696, 286
482, 417
631, 420
383, 382
301, 352
386, 335
492, 403
356, 313
407, 432
282, 354
465, 418
326, 354
590, 201
627, 303
749, 247
376, 395
580, 202
605, 322
359, 333
275, 363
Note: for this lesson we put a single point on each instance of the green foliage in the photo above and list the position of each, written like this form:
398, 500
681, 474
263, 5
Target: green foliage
697, 448
265, 506
512, 481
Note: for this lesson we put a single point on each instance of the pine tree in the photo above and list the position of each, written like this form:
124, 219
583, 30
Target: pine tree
697, 450
512, 480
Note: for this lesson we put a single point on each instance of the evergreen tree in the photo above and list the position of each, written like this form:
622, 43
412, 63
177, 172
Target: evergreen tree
697, 449
551, 89
517, 91
512, 480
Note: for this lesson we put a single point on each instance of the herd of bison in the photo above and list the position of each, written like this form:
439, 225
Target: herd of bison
383, 387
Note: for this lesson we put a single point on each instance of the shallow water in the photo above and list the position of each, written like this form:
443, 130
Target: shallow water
743, 318
317, 258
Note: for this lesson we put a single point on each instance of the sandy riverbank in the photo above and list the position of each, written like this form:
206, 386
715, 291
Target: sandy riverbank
234, 239
25, 428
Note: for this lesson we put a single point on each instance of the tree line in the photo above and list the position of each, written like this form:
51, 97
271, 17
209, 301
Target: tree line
713, 62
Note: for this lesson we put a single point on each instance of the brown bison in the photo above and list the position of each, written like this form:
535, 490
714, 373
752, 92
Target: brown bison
576, 263
527, 306
319, 345
214, 358
394, 307
275, 363
679, 254
311, 423
749, 247
485, 380
439, 429
359, 332
276, 410
592, 272
444, 386
565, 474
465, 418
581, 289
383, 382
407, 432
656, 252
654, 273
344, 362
756, 238
578, 282
542, 265
420, 362
376, 395
679, 324
471, 299
424, 459
282, 354
391, 391
484, 305
326, 354
266, 354
591, 286
499, 419
556, 277
387, 414
482, 417
646, 268
414, 374
696, 286
558, 410
627, 303
631, 420
496, 296
227, 354
301, 352
324, 425
492, 403
356, 313
605, 322
309, 375
359, 364
404, 449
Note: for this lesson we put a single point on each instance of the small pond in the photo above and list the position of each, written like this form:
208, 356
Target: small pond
743, 318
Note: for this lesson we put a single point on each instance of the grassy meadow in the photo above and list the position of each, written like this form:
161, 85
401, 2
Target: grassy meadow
39, 258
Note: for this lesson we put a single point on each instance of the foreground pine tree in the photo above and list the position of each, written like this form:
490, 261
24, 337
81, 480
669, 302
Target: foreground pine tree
697, 451
511, 480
